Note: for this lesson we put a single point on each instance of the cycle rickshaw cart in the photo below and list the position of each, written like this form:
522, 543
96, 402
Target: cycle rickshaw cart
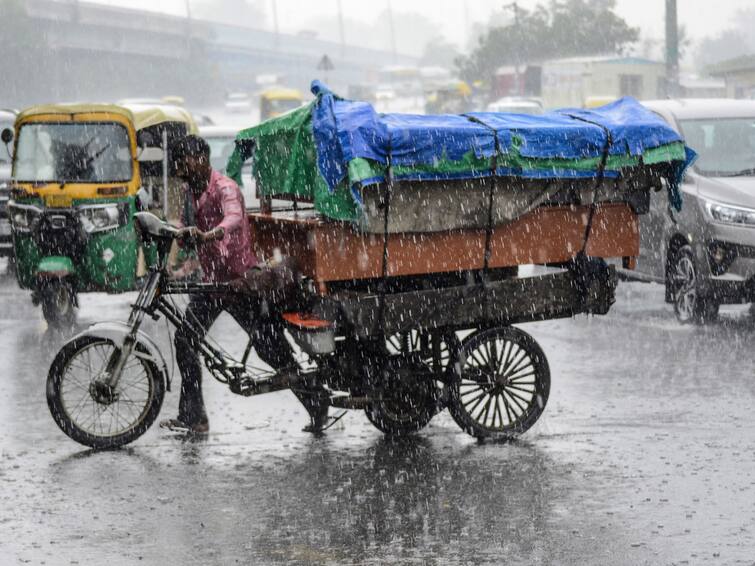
410, 257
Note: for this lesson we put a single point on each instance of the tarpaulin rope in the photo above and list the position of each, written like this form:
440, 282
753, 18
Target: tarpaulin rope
489, 226
387, 205
598, 178
491, 192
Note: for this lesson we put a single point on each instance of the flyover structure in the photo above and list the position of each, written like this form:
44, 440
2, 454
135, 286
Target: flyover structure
106, 52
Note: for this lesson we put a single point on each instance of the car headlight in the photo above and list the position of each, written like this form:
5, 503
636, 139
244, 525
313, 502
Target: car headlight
728, 214
99, 218
22, 217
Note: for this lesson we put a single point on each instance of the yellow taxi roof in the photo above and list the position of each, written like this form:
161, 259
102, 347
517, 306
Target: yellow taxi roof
141, 115
283, 93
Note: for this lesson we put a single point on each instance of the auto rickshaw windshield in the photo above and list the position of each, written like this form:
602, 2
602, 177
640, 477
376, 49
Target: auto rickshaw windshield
73, 153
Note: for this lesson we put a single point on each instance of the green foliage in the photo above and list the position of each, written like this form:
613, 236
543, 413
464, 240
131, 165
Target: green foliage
439, 53
563, 28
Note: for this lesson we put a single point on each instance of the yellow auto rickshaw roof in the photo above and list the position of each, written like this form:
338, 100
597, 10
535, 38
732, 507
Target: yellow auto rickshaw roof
146, 115
282, 94
595, 101
69, 109
141, 115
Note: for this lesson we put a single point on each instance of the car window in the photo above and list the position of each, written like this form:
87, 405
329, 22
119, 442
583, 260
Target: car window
725, 146
221, 148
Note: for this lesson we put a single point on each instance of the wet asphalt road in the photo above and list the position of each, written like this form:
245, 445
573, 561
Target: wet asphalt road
645, 455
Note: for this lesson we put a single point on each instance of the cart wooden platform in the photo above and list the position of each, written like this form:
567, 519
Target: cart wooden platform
329, 252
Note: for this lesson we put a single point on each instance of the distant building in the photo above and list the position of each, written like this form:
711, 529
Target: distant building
738, 74
571, 82
517, 81
693, 86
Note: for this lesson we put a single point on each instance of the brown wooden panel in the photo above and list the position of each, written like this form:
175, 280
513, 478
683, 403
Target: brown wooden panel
345, 254
334, 251
545, 235
290, 238
615, 232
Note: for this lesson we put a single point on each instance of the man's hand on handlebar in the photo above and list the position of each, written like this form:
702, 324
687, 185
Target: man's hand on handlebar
193, 235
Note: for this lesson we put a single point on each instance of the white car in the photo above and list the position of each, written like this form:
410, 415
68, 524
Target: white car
238, 103
516, 105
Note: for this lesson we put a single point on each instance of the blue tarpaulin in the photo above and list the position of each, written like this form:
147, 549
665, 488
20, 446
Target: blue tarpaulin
346, 130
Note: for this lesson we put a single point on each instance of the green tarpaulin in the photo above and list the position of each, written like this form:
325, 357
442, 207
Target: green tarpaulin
284, 162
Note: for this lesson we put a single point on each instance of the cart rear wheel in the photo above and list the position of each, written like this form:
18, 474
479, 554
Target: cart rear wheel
500, 383
436, 351
408, 397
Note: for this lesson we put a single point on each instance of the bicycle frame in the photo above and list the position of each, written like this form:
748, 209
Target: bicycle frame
151, 301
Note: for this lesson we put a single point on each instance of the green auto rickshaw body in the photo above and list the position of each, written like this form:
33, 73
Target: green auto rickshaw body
76, 182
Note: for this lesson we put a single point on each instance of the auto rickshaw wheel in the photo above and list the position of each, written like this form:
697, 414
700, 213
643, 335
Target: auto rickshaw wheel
59, 304
500, 383
407, 397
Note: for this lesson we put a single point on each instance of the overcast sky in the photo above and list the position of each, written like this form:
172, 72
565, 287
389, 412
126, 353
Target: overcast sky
701, 17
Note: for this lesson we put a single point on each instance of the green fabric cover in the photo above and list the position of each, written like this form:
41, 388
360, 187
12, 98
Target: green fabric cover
285, 162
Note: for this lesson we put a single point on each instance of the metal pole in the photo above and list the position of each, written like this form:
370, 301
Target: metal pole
340, 28
188, 28
275, 22
467, 29
392, 30
165, 174
517, 56
672, 50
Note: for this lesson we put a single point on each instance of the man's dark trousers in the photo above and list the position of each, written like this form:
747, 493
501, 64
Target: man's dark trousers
265, 331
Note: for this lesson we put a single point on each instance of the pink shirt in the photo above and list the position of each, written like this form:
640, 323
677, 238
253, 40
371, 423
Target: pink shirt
222, 204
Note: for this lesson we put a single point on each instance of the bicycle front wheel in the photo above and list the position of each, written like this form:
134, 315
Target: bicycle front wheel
93, 413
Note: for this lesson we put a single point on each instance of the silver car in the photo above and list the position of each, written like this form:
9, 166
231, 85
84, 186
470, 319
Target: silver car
705, 254
7, 117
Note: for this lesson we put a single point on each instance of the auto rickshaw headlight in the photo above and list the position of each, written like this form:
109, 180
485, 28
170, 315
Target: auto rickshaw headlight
22, 217
99, 218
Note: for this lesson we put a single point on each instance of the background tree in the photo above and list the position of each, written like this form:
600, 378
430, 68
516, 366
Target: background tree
439, 53
562, 28
736, 41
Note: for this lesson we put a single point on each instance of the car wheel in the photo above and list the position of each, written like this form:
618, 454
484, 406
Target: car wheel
683, 279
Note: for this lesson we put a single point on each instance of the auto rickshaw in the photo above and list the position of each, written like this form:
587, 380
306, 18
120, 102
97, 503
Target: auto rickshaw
454, 97
277, 101
597, 101
79, 174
